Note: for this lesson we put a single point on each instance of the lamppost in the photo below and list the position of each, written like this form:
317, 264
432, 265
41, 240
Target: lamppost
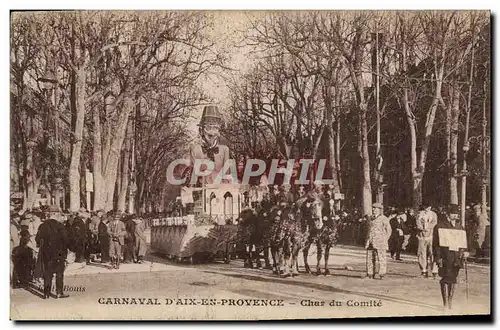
49, 84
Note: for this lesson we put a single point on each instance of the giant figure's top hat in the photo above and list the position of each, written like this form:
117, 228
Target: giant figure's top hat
211, 115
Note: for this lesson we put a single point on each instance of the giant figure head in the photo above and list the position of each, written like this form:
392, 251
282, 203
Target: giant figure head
210, 125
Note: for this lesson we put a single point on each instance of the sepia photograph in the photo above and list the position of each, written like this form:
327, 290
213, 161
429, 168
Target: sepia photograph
250, 165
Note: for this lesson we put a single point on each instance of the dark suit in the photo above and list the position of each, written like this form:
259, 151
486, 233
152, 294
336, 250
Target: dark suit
80, 237
397, 236
129, 252
104, 241
53, 243
451, 260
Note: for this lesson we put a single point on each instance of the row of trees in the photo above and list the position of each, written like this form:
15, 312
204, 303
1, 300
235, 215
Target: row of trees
386, 97
376, 93
108, 92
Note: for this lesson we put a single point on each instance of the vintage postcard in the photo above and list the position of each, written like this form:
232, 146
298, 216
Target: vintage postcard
249, 165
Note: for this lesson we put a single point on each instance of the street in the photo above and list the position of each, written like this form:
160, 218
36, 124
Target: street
229, 291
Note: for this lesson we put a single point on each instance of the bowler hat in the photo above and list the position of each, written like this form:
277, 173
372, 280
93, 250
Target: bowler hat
378, 206
210, 115
453, 209
53, 209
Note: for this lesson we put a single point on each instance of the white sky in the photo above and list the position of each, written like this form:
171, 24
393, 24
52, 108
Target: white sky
228, 32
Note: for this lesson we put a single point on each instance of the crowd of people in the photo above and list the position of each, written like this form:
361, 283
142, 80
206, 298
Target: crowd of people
44, 240
399, 229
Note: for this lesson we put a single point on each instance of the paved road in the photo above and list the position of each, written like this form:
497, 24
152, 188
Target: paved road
159, 289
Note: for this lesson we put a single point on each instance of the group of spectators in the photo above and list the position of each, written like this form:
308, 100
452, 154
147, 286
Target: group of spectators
442, 250
353, 229
44, 240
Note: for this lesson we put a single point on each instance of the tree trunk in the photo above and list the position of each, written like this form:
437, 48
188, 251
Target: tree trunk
415, 173
337, 154
365, 158
99, 193
429, 125
32, 183
448, 141
454, 112
76, 150
333, 159
115, 151
125, 173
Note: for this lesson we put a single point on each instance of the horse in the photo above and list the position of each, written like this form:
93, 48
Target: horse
251, 231
245, 236
282, 229
312, 223
329, 235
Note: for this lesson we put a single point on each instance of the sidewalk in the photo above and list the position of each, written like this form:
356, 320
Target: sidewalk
75, 269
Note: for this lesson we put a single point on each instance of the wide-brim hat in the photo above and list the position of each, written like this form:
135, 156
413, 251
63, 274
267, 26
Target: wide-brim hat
210, 115
453, 209
53, 209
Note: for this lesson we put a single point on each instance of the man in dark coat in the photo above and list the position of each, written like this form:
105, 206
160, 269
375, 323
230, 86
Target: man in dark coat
285, 197
52, 241
399, 229
129, 251
79, 232
103, 236
23, 260
448, 260
92, 246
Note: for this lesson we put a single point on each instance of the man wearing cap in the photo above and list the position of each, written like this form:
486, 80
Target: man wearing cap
79, 233
52, 241
426, 221
129, 247
399, 230
140, 239
448, 259
376, 244
92, 246
104, 236
301, 197
273, 194
285, 197
117, 232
